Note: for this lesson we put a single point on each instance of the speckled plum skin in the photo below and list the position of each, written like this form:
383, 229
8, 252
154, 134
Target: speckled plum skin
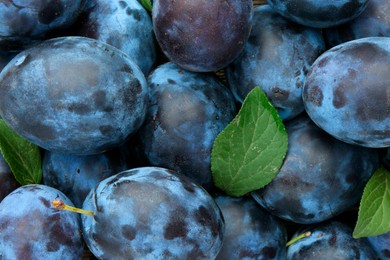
73, 95
381, 245
152, 213
320, 177
76, 175
202, 35
250, 231
8, 182
187, 111
330, 240
123, 24
276, 58
347, 92
373, 22
30, 228
21, 21
319, 13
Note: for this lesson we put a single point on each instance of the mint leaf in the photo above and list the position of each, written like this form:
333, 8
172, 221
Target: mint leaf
22, 157
374, 210
147, 4
249, 152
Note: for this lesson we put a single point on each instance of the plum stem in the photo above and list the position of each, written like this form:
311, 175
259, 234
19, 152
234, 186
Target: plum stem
61, 205
295, 239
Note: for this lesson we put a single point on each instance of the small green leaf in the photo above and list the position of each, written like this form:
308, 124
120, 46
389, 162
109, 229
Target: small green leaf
249, 152
374, 210
22, 157
147, 4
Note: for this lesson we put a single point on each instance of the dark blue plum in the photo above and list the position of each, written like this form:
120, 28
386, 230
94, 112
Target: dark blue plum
250, 231
320, 177
346, 92
187, 111
330, 240
30, 228
381, 245
276, 58
373, 22
73, 95
152, 213
124, 24
22, 22
202, 35
8, 182
319, 13
76, 175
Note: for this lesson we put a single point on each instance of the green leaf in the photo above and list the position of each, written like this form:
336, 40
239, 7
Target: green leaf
147, 4
249, 152
22, 157
374, 210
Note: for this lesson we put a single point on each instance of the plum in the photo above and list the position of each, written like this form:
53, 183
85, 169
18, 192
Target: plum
23, 23
275, 58
319, 13
381, 245
152, 213
76, 175
373, 22
30, 228
8, 182
187, 111
123, 24
320, 177
73, 95
202, 35
330, 240
347, 92
250, 231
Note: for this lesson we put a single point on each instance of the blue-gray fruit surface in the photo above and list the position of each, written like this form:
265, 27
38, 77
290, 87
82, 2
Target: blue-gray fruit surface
373, 22
124, 24
320, 177
76, 175
30, 228
21, 22
381, 245
330, 240
73, 95
202, 35
250, 231
187, 111
347, 92
319, 13
152, 213
276, 58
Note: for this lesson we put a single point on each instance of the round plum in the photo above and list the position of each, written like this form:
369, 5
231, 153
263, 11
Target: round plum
202, 35
152, 213
124, 24
381, 245
319, 13
330, 240
347, 92
187, 111
320, 177
250, 231
30, 228
73, 95
275, 58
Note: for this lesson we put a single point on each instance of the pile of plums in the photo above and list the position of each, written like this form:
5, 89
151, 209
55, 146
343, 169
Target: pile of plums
125, 105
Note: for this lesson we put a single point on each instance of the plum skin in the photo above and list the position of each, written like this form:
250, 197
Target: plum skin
320, 177
202, 35
346, 92
276, 58
30, 228
152, 213
73, 95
